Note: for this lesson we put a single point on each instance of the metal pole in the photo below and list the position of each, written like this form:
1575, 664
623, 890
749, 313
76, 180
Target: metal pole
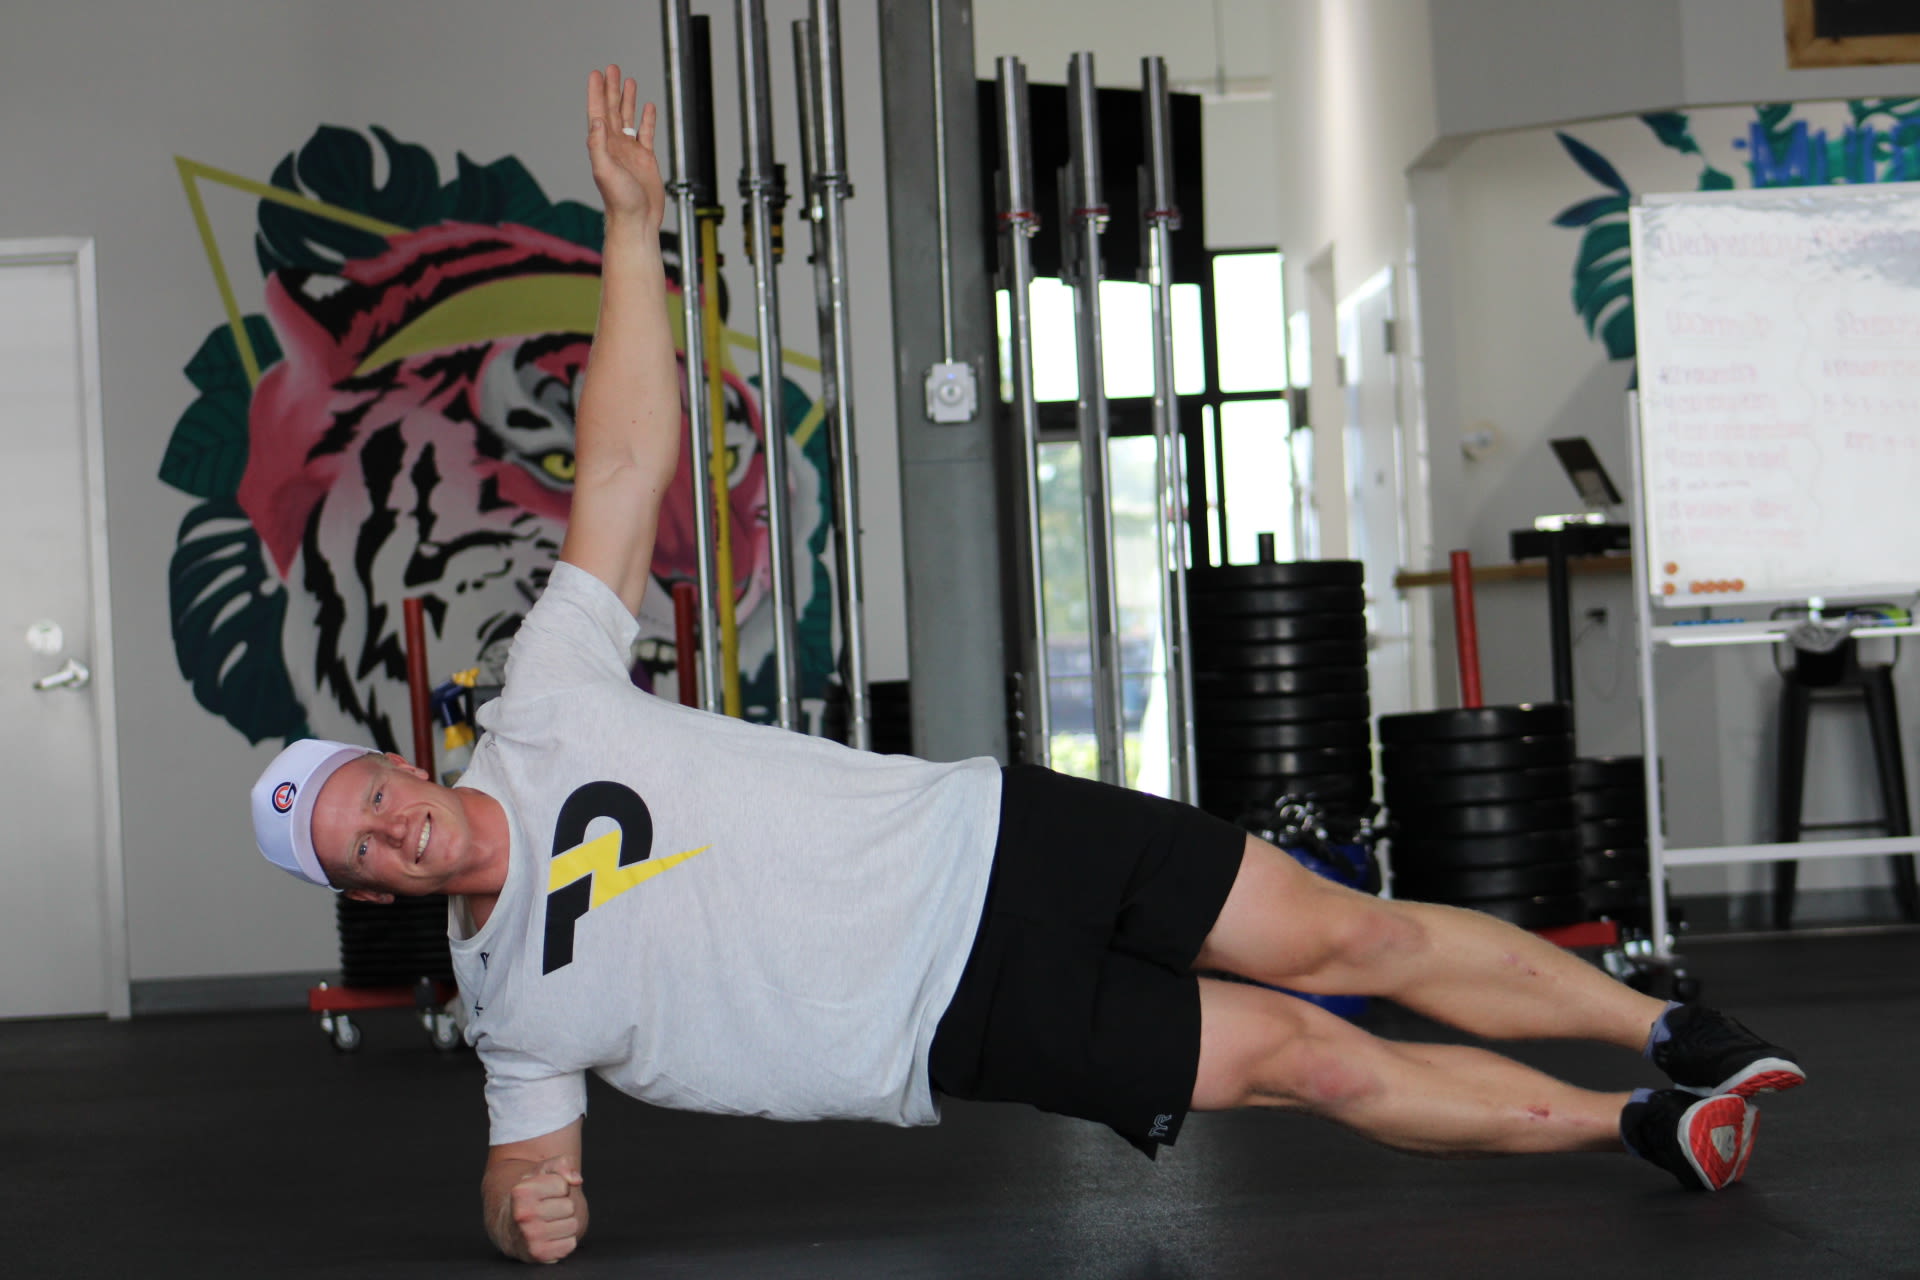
764, 194
941, 206
1018, 224
1559, 625
1086, 218
807, 92
684, 140
413, 611
1662, 940
708, 215
953, 394
828, 191
686, 627
1159, 219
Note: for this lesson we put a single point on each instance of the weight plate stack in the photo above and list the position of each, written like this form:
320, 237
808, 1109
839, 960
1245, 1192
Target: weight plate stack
1280, 686
1482, 811
889, 716
393, 945
1610, 793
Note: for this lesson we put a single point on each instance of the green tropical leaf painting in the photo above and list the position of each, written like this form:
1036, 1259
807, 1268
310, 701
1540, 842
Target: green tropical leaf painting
1881, 145
228, 613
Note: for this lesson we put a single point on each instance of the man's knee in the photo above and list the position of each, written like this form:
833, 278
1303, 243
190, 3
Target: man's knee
1364, 943
1319, 1074
1262, 1048
1285, 925
1378, 932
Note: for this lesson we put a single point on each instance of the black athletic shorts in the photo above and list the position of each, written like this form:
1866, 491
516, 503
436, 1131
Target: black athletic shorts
1080, 996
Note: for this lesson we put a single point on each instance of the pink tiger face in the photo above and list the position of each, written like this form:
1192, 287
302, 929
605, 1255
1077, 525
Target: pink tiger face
445, 472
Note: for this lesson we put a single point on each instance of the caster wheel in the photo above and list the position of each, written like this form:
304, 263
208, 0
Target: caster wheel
445, 1033
346, 1036
1685, 988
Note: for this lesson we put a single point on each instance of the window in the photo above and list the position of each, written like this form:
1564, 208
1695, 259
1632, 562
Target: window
1231, 358
1126, 335
1256, 485
1247, 419
1250, 321
1136, 582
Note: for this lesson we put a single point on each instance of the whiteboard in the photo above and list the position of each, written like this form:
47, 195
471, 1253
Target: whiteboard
1779, 382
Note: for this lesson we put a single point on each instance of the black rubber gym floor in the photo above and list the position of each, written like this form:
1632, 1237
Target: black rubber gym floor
245, 1146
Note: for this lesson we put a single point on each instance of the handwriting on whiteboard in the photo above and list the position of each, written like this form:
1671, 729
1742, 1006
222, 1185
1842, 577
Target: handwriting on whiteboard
1779, 340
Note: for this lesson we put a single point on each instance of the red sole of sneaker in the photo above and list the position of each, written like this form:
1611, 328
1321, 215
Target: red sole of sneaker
1768, 1075
1768, 1082
1719, 1135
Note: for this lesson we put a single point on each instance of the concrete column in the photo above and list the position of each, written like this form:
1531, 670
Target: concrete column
950, 508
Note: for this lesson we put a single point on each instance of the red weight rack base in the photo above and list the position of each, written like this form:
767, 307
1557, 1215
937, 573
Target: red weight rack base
1593, 933
355, 999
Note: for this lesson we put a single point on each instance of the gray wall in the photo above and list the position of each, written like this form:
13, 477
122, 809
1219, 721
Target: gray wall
1557, 60
99, 96
1506, 64
1735, 51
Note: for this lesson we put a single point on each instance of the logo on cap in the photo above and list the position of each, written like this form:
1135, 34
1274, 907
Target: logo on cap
283, 797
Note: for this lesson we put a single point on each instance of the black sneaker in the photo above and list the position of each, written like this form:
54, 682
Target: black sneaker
1708, 1053
1704, 1142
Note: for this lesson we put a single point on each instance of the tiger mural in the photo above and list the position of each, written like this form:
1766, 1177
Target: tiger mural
410, 433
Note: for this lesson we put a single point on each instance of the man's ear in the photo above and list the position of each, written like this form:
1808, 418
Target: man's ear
368, 895
405, 765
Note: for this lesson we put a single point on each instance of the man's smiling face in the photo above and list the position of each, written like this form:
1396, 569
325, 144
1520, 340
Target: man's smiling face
382, 829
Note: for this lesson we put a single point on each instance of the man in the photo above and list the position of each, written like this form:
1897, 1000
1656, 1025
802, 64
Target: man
721, 916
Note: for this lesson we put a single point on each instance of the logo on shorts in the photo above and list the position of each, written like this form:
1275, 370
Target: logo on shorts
1160, 1124
283, 797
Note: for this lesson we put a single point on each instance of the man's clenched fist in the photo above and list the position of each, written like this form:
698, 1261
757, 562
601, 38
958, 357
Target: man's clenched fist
546, 1210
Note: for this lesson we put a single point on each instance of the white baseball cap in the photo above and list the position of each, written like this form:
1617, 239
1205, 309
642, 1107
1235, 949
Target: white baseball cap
283, 802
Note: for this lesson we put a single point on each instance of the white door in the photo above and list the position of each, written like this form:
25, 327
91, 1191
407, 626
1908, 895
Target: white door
1376, 486
62, 926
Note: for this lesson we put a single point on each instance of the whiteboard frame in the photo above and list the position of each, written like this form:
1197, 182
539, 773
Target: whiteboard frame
1642, 540
1651, 638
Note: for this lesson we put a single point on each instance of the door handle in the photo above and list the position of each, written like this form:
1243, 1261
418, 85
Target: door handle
72, 676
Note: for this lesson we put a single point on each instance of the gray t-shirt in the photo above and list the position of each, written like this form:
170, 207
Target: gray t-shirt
712, 915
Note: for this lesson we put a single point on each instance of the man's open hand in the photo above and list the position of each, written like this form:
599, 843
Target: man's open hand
546, 1212
620, 145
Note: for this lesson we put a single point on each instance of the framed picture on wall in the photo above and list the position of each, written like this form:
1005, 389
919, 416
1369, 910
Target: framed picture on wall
1852, 33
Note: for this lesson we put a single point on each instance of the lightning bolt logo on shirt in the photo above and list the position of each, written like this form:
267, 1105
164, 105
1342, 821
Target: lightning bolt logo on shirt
585, 874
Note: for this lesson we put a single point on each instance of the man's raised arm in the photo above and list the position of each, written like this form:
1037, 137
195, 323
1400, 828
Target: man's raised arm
627, 429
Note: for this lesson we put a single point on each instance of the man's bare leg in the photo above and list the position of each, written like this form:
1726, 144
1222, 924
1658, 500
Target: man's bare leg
1262, 1048
1285, 926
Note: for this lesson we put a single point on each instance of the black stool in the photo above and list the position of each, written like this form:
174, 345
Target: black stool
1840, 671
